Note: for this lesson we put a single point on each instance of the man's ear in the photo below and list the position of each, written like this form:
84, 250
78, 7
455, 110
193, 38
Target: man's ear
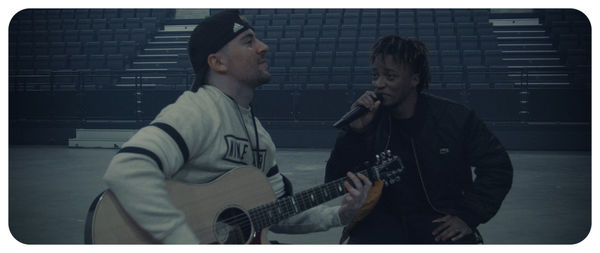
415, 79
216, 63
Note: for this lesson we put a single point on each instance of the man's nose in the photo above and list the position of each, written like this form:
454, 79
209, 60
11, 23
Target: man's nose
262, 47
378, 83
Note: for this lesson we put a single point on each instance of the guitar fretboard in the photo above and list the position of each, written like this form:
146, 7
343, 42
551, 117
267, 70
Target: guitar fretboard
271, 213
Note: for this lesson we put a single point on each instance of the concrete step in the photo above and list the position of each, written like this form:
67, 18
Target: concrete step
525, 46
538, 67
541, 77
530, 54
503, 25
157, 57
166, 50
156, 64
167, 44
185, 28
517, 33
531, 61
160, 38
524, 39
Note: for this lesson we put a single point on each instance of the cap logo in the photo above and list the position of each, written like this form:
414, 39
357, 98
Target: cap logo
237, 27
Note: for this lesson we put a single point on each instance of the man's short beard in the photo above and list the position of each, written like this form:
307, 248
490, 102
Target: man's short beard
262, 79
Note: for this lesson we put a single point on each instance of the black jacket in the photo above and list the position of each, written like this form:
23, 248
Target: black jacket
449, 139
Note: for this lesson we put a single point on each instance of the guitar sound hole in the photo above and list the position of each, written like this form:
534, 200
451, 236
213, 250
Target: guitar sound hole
233, 227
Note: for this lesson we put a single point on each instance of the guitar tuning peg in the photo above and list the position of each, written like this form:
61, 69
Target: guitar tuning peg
377, 158
389, 153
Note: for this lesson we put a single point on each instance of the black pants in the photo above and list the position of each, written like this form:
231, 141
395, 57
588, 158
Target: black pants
409, 229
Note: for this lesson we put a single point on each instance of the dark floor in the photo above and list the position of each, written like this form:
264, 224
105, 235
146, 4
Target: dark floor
51, 187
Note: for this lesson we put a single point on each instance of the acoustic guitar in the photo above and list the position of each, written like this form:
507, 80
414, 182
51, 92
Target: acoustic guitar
236, 208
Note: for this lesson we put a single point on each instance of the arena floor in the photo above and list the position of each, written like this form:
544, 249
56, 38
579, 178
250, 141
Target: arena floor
51, 188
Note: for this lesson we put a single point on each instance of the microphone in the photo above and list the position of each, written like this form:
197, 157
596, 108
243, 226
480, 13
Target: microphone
354, 114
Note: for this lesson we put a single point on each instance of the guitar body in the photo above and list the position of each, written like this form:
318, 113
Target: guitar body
209, 209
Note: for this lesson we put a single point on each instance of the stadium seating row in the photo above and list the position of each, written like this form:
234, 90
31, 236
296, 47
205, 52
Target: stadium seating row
125, 47
44, 63
360, 58
40, 14
450, 42
373, 30
354, 16
139, 35
148, 23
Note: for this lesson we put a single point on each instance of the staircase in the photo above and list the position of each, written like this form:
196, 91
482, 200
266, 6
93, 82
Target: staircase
527, 51
164, 61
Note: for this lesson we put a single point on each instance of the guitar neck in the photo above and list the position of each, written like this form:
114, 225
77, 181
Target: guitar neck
271, 213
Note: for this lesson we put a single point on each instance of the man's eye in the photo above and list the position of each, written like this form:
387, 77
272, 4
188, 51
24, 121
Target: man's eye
390, 77
374, 76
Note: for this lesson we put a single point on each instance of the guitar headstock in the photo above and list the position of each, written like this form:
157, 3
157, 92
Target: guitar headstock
387, 167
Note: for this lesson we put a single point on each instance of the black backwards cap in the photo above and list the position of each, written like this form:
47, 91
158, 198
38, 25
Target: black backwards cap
210, 36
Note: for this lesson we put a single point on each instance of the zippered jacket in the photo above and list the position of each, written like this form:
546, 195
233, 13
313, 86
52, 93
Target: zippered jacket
450, 141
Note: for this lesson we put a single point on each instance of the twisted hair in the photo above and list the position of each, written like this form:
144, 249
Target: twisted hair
412, 53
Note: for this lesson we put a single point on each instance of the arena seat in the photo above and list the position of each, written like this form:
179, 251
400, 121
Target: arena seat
298, 19
323, 59
333, 19
349, 31
307, 44
311, 31
443, 15
326, 44
387, 16
292, 31
287, 44
448, 42
468, 42
406, 17
319, 76
303, 59
346, 44
445, 29
280, 19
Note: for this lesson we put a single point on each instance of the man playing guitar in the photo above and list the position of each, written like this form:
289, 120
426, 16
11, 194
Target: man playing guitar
206, 133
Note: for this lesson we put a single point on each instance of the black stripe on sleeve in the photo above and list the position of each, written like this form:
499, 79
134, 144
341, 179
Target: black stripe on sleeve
273, 171
143, 151
176, 137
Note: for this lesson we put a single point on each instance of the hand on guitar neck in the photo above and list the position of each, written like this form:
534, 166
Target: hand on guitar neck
355, 198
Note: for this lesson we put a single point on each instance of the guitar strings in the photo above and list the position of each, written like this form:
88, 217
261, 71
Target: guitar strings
242, 222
